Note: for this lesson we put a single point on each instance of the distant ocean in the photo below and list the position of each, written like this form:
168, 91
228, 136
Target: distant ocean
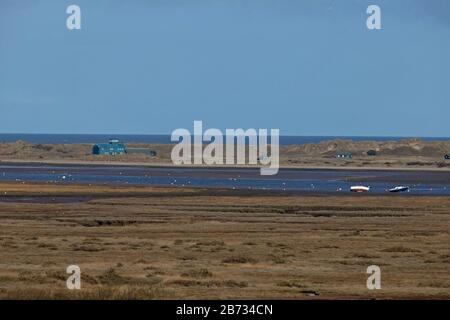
165, 139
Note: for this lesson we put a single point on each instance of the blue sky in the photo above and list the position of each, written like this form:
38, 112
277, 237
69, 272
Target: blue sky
306, 67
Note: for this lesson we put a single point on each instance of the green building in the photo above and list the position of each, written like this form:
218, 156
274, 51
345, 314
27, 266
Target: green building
114, 147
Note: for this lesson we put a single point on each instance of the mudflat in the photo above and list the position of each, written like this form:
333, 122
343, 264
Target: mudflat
159, 243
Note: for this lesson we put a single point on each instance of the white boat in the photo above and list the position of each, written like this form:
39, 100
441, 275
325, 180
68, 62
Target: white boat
359, 189
399, 189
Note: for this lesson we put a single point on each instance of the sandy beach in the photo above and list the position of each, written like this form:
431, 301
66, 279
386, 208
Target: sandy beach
413, 154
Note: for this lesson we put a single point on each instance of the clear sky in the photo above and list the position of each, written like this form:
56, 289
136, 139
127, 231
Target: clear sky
306, 67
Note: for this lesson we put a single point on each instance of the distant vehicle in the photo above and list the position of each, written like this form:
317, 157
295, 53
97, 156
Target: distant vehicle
447, 157
399, 189
359, 189
344, 155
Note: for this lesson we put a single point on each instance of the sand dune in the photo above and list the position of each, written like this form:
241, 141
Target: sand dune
408, 153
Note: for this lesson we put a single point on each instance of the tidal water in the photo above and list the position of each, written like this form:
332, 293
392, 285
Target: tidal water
420, 183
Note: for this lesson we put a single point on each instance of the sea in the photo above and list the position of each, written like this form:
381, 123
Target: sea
165, 138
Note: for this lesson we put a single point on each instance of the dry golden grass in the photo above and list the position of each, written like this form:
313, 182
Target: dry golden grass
159, 243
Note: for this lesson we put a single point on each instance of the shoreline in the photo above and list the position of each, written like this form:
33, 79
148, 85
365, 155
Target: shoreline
32, 192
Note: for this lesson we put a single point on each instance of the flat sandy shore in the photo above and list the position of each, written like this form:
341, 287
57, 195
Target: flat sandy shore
155, 164
160, 243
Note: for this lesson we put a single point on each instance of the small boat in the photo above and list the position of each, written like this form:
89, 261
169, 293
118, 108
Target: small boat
399, 189
359, 189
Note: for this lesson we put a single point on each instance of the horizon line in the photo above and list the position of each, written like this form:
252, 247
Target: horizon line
281, 135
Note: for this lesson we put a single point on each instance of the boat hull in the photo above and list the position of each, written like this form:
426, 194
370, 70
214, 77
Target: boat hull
398, 189
359, 189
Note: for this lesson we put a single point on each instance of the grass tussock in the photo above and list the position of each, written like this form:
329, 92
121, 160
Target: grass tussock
111, 277
104, 293
400, 249
197, 273
209, 283
290, 284
239, 259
